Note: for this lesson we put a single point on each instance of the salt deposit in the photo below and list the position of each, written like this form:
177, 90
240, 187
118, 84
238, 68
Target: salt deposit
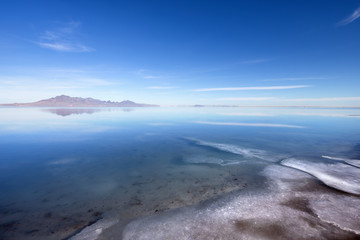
281, 212
338, 175
245, 152
201, 159
93, 231
353, 162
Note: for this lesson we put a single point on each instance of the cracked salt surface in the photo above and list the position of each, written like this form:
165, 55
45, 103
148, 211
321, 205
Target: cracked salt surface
282, 212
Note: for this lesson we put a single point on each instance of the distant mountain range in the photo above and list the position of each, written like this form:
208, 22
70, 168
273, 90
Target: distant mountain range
66, 101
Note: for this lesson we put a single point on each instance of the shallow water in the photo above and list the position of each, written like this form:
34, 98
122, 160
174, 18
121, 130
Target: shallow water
179, 173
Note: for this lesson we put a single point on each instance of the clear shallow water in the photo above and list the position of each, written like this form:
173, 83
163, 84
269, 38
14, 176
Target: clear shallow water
179, 173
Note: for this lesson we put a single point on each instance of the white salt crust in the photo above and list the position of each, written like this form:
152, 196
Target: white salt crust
249, 216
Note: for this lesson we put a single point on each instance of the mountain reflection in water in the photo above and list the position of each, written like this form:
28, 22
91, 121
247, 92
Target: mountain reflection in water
65, 112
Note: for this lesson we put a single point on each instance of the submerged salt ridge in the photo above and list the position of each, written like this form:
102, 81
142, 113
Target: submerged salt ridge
209, 160
93, 231
245, 152
337, 175
353, 162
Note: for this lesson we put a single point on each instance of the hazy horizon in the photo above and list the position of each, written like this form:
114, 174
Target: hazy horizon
183, 105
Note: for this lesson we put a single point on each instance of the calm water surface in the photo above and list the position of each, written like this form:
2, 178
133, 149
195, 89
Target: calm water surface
179, 173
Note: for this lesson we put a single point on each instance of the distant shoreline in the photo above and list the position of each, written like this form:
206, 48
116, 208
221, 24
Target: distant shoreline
21, 105
67, 101
64, 101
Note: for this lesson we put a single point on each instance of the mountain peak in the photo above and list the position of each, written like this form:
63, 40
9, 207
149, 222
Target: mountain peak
62, 97
67, 101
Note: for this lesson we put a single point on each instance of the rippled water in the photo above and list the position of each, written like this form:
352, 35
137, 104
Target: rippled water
179, 173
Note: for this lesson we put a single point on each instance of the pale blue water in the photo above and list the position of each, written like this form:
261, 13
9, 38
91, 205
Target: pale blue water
64, 169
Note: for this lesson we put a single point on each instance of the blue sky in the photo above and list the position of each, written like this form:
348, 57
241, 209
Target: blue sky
182, 52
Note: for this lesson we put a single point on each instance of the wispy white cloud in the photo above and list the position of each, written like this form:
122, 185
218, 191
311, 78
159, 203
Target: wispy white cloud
322, 99
151, 77
249, 88
247, 114
160, 124
161, 87
246, 98
249, 124
65, 46
293, 79
355, 15
321, 114
145, 74
63, 39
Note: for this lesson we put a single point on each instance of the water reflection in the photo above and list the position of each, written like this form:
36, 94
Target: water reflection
59, 175
65, 112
